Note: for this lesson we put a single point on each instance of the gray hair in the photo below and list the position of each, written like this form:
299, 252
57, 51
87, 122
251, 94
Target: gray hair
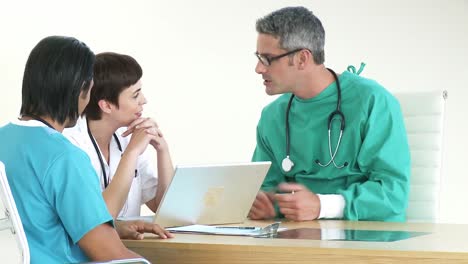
297, 28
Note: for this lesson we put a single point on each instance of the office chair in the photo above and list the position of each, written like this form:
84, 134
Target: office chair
12, 221
424, 115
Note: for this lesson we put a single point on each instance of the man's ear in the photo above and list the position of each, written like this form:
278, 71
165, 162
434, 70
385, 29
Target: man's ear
105, 106
305, 57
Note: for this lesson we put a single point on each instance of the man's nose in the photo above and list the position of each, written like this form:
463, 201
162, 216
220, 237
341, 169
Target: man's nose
260, 68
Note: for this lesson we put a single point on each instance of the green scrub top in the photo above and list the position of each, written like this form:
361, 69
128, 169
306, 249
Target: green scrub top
375, 183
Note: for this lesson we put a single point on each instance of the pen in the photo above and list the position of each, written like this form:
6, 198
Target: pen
277, 190
237, 227
282, 192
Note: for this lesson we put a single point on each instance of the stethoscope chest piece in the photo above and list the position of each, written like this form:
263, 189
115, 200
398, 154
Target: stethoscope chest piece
287, 164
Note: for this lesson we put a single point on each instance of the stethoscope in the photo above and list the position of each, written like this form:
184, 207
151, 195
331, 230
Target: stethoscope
101, 162
287, 163
98, 152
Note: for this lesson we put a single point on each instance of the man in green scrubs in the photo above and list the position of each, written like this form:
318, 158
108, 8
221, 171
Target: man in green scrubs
362, 174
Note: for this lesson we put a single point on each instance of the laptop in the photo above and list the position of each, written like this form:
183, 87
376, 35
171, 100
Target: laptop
211, 194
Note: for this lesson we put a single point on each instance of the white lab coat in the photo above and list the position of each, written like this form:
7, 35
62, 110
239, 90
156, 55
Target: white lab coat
144, 184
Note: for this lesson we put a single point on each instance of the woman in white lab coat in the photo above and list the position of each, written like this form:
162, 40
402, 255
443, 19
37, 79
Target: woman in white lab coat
115, 134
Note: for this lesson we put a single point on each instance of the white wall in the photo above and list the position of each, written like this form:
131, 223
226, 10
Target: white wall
199, 65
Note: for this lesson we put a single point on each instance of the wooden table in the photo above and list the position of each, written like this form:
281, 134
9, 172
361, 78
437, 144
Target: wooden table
446, 243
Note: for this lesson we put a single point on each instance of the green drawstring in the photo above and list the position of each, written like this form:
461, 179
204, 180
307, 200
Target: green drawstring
352, 69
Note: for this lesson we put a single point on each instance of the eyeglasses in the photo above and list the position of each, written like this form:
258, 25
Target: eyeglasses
265, 60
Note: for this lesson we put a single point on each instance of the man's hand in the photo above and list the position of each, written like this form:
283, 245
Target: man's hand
297, 202
262, 207
136, 229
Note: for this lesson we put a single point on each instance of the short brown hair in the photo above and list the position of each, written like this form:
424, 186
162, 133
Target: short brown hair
113, 73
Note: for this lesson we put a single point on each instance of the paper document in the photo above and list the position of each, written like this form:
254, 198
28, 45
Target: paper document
215, 230
228, 230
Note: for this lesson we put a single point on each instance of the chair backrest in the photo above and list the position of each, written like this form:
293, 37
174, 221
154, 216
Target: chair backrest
12, 220
424, 115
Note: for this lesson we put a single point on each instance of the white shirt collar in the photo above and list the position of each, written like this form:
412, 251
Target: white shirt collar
28, 123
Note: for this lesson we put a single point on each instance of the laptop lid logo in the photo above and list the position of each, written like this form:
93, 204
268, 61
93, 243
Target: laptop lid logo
213, 196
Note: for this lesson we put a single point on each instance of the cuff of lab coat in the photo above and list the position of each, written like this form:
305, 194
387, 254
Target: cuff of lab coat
331, 205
